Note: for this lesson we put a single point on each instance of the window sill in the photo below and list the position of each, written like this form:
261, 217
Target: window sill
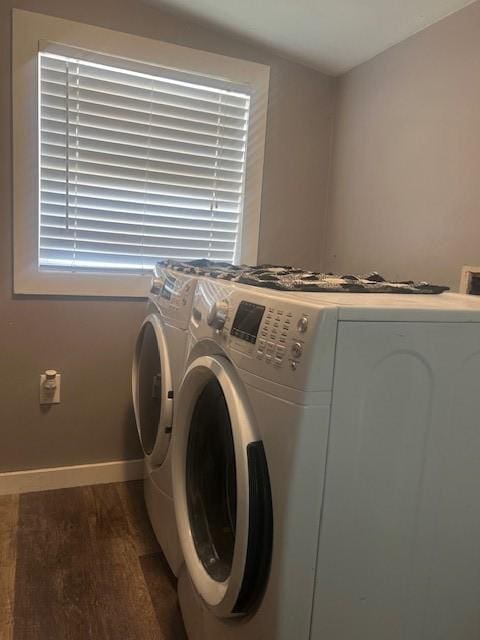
58, 283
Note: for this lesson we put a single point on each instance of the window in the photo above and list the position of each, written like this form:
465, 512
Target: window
137, 161
135, 168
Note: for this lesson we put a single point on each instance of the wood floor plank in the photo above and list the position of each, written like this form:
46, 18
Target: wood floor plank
8, 532
133, 503
78, 573
162, 586
122, 594
56, 568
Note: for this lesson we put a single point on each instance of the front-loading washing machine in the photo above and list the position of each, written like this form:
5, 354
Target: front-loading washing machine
325, 464
246, 429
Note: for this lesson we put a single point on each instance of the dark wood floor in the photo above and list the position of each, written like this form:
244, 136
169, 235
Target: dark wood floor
84, 563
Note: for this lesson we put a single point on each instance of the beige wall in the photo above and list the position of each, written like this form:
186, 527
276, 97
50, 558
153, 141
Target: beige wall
405, 192
90, 340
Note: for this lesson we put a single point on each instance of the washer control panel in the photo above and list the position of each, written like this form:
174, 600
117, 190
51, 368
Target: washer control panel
278, 342
282, 338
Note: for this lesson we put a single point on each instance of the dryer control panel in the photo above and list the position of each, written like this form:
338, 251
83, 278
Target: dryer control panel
172, 292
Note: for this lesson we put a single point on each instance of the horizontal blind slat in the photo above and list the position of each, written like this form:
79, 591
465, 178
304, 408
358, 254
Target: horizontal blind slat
56, 108
51, 163
79, 194
89, 241
87, 97
58, 153
54, 227
162, 83
118, 129
121, 83
81, 132
167, 219
115, 253
134, 207
78, 145
155, 95
137, 185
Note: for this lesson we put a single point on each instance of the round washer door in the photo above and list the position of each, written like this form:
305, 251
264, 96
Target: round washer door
152, 390
222, 495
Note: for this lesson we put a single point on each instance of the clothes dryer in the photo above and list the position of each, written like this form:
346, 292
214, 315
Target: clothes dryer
158, 367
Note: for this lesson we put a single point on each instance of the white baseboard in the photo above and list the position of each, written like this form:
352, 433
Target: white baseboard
75, 476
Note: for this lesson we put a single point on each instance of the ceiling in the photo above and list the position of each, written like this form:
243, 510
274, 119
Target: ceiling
330, 35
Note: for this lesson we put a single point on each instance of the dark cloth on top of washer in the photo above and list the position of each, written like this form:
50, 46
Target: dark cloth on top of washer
286, 278
204, 267
290, 279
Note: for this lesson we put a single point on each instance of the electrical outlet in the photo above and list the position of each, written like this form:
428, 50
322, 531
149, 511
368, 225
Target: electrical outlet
49, 395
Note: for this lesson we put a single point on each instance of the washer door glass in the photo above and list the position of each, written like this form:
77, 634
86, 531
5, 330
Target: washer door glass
211, 482
221, 486
149, 388
152, 390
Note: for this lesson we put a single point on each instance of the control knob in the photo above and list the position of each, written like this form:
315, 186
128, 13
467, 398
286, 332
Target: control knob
218, 314
297, 349
302, 324
156, 286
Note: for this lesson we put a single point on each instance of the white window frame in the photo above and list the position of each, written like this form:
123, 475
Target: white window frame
31, 32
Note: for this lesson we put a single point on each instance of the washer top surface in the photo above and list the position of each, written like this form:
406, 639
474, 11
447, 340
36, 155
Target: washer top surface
446, 307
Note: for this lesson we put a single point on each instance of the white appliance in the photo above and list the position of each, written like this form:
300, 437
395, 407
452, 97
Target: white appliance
326, 466
158, 367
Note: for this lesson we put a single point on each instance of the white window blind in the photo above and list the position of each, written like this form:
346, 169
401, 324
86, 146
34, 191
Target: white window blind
135, 168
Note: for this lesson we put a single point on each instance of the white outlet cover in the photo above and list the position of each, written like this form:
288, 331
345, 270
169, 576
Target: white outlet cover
45, 396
